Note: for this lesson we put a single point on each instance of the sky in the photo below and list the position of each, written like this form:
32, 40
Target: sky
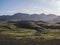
9, 7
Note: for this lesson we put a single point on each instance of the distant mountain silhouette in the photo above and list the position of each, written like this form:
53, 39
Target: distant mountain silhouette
57, 19
35, 17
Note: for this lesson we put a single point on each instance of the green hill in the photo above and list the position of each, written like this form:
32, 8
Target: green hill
29, 33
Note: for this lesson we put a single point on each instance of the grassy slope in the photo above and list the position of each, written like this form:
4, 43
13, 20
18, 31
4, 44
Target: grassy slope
9, 31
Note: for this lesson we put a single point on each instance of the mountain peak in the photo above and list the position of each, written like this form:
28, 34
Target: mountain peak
34, 17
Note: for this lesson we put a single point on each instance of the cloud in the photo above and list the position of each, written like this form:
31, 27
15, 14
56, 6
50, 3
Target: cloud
32, 6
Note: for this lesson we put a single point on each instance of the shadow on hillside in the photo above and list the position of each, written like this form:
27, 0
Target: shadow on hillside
28, 41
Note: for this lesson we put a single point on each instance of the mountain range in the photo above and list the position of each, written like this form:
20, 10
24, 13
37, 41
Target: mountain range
35, 17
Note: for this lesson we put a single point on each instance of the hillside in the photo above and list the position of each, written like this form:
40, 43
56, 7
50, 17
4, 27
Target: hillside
57, 19
29, 33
